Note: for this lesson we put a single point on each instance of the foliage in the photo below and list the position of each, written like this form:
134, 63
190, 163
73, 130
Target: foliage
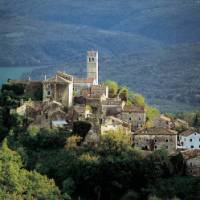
114, 143
152, 113
81, 128
136, 99
44, 138
16, 182
185, 188
112, 88
72, 142
18, 89
123, 93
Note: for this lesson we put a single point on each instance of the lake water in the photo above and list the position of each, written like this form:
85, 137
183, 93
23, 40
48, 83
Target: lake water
13, 73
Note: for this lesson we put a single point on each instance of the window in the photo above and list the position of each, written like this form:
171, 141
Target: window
155, 147
166, 140
155, 140
190, 140
166, 147
130, 118
48, 92
192, 146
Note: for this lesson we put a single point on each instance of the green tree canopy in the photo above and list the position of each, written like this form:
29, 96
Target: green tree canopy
113, 88
15, 181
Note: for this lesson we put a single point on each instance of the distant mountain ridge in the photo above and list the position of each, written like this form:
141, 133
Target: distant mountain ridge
151, 46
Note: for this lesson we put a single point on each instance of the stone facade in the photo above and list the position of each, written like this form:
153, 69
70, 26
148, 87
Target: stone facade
156, 138
80, 84
113, 124
99, 91
59, 88
163, 122
112, 107
135, 115
192, 161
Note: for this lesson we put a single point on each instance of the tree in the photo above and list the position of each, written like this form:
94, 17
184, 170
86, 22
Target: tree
136, 99
123, 93
81, 128
15, 181
115, 143
113, 88
152, 113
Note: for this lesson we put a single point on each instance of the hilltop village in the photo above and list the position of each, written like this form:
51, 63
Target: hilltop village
66, 99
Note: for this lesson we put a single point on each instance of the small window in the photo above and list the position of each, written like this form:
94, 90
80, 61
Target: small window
166, 147
155, 147
92, 59
190, 140
155, 140
130, 118
199, 139
166, 140
192, 146
49, 93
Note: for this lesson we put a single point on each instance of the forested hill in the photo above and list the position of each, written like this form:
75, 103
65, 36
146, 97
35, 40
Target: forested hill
151, 46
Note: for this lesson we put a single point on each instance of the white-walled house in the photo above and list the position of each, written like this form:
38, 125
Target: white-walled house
189, 140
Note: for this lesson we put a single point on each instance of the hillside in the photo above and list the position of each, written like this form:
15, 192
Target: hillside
151, 46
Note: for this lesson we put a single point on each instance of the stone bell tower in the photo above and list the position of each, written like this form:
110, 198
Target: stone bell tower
92, 66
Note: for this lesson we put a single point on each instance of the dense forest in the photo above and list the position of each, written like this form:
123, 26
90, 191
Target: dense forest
53, 164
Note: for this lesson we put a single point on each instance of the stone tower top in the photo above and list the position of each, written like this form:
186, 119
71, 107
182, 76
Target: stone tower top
92, 65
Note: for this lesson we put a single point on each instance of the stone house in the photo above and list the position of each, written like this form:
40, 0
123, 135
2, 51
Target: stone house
59, 88
163, 122
113, 124
98, 91
135, 115
192, 161
155, 138
189, 139
82, 83
112, 107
